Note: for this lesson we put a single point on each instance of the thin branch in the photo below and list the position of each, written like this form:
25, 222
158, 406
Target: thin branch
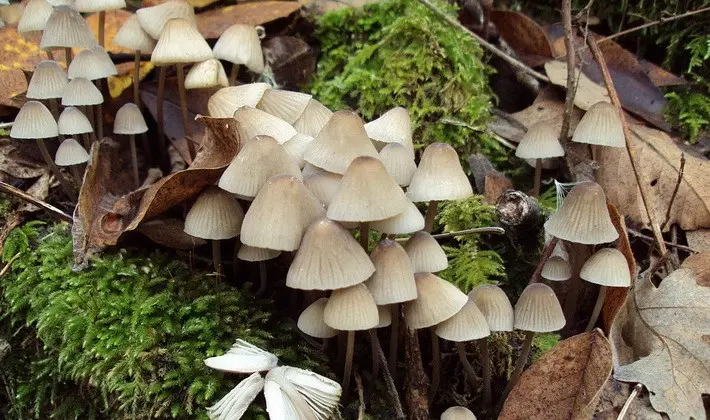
627, 404
39, 203
546, 253
653, 23
571, 88
671, 244
675, 191
492, 229
9, 264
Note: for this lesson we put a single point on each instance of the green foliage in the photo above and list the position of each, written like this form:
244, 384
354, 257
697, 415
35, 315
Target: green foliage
125, 338
548, 199
467, 214
542, 343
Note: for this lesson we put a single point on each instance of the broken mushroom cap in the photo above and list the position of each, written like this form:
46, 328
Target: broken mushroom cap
66, 29
311, 320
393, 279
351, 309
409, 221
426, 254
254, 122
34, 121
296, 146
538, 310
313, 118
607, 267
153, 19
91, 64
240, 44
226, 101
133, 37
457, 413
48, 81
437, 300
35, 16
215, 215
323, 185
394, 126
180, 43
583, 217
399, 163
439, 176
81, 92
556, 269
540, 141
284, 104
69, 153
129, 120
293, 393
253, 254
206, 74
237, 401
91, 6
468, 324
493, 303
243, 357
72, 121
601, 125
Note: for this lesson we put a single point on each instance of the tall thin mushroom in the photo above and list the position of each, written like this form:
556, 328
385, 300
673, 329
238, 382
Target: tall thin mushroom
540, 142
607, 268
129, 121
66, 29
71, 154
240, 44
81, 92
101, 6
34, 19
133, 37
93, 64
48, 82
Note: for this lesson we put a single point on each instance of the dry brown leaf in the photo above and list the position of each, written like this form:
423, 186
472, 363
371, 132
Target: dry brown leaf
17, 54
616, 296
700, 264
169, 233
16, 159
613, 398
698, 239
194, 3
588, 92
524, 35
564, 383
213, 23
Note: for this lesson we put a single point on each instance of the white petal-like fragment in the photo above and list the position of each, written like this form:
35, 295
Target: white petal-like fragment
243, 358
233, 405
293, 393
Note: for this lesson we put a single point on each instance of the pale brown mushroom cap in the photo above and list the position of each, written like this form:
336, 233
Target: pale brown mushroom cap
385, 317
393, 279
284, 104
495, 306
351, 309
426, 254
81, 92
439, 176
540, 141
313, 118
253, 254
129, 120
409, 221
394, 126
399, 163
35, 16
556, 269
457, 413
607, 267
240, 44
323, 185
215, 215
153, 19
72, 121
180, 43
254, 122
133, 37
468, 324
34, 121
67, 29
226, 101
538, 310
601, 125
70, 152
206, 74
48, 81
91, 64
296, 147
311, 320
437, 300
91, 6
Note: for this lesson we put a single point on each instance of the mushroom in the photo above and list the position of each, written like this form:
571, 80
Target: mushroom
243, 357
284, 104
153, 19
48, 82
426, 253
323, 185
81, 92
607, 268
540, 142
240, 44
394, 126
101, 6
93, 64
556, 269
226, 101
252, 254
293, 393
66, 29
129, 121
312, 323
206, 74
133, 37
600, 125
72, 122
252, 122
399, 163
457, 413
237, 401
296, 146
34, 19
70, 153
409, 221
313, 118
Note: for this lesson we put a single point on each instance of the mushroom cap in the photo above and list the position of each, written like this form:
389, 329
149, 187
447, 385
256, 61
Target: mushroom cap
493, 303
243, 357
329, 258
132, 36
48, 81
284, 104
80, 92
351, 309
393, 279
236, 402
385, 317
66, 28
457, 413
34, 121
323, 185
296, 147
280, 214
601, 125
129, 120
91, 6
91, 64
226, 101
310, 169
153, 19
317, 394
311, 320
399, 163
409, 221
250, 253
556, 269
254, 122
426, 254
215, 215
206, 74
72, 121
437, 300
259, 160
468, 324
342, 139
607, 267
394, 126
583, 217
439, 176
540, 141
313, 118
70, 152
240, 44
538, 310
366, 193
35, 16
180, 43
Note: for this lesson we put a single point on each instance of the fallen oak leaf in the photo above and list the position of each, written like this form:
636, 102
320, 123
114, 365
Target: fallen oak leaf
700, 264
213, 23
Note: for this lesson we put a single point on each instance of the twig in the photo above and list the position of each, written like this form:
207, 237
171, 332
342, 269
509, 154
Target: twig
675, 191
491, 229
543, 259
571, 87
653, 23
648, 238
627, 404
39, 203
485, 44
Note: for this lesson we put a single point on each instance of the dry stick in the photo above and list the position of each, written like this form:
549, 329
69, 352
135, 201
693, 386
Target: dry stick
546, 253
675, 190
627, 404
394, 339
430, 215
39, 203
66, 185
571, 70
653, 23
492, 229
519, 365
183, 107
389, 380
461, 349
160, 118
597, 309
485, 361
134, 160
435, 365
671, 244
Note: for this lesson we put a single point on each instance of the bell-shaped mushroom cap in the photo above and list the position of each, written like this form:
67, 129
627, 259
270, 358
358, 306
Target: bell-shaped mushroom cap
313, 118
468, 324
457, 413
342, 139
215, 215
66, 28
254, 122
323, 185
293, 393
237, 401
538, 310
540, 142
556, 269
385, 317
393, 279
351, 309
73, 121
329, 258
399, 163
129, 120
280, 214
80, 92
366, 193
35, 16
310, 170
437, 300
601, 125
240, 44
34, 121
426, 253
311, 320
243, 357
259, 160
226, 101
153, 19
394, 126
409, 221
91, 64
206, 74
296, 146
180, 43
583, 217
493, 303
284, 104
133, 37
607, 267
70, 152
48, 81
439, 176
250, 253
91, 6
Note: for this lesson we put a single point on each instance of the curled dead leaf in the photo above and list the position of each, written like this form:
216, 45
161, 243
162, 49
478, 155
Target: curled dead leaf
169, 233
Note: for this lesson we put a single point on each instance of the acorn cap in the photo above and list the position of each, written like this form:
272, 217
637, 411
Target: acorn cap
80, 92
556, 269
66, 28
351, 309
393, 279
457, 413
91, 64
252, 254
385, 317
439, 176
583, 217
206, 74
409, 221
342, 139
538, 310
399, 163
425, 253
70, 152
284, 104
607, 267
317, 395
240, 44
437, 300
601, 125
153, 19
493, 303
180, 42
35, 16
72, 121
280, 214
313, 118
259, 160
323, 185
296, 146
243, 357
133, 37
236, 402
226, 101
129, 120
215, 215
91, 6
540, 141
366, 193
329, 258
254, 122
48, 81
394, 126
34, 121
468, 324
311, 320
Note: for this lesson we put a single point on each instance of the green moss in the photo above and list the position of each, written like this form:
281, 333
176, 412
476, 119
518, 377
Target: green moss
542, 343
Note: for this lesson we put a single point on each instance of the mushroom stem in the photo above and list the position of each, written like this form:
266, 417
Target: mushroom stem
485, 362
160, 118
350, 346
50, 55
137, 79
461, 349
54, 107
262, 279
67, 56
75, 173
233, 74
436, 365
134, 160
430, 215
364, 234
99, 113
102, 24
597, 309
85, 139
217, 257
538, 176
394, 339
183, 106
66, 185
519, 364
375, 355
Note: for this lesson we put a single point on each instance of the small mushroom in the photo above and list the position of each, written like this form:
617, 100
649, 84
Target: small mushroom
284, 104
312, 323
323, 185
457, 413
101, 6
313, 118
260, 255
540, 142
34, 18
226, 101
129, 121
153, 19
73, 122
206, 74
426, 254
607, 268
556, 269
296, 147
133, 37
252, 122
399, 163
48, 82
81, 92
600, 125
66, 29
93, 64
409, 221
394, 126
240, 44
71, 154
